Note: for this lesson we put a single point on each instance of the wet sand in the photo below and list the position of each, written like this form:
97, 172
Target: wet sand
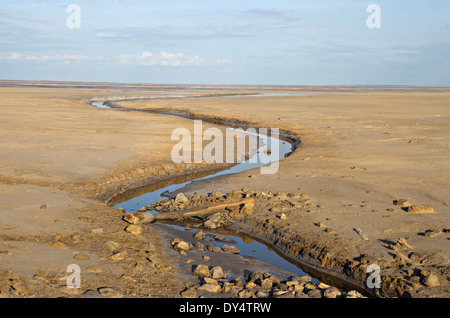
361, 149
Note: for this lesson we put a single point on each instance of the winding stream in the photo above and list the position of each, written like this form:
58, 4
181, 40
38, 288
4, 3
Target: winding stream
248, 246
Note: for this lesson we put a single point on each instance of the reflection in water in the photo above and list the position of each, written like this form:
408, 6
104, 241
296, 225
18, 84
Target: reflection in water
133, 199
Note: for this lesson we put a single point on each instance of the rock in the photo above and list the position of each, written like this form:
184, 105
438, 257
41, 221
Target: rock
354, 294
208, 280
416, 257
310, 286
431, 280
57, 237
255, 276
97, 231
298, 288
323, 286
282, 216
266, 283
217, 273
189, 293
402, 202
211, 288
261, 294
216, 194
134, 229
314, 293
109, 292
401, 242
213, 248
112, 246
331, 292
361, 234
94, 269
76, 238
81, 257
200, 235
250, 285
91, 294
246, 293
230, 249
234, 195
283, 294
127, 277
237, 282
202, 271
181, 198
182, 246
247, 209
304, 279
38, 277
139, 217
58, 245
431, 233
420, 209
196, 198
119, 256
215, 221
70, 291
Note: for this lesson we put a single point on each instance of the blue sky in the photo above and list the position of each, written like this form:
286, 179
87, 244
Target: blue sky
283, 42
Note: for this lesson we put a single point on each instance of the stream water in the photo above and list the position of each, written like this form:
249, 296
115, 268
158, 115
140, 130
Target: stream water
246, 245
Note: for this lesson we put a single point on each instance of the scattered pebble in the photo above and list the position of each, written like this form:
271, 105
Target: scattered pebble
134, 229
420, 209
109, 292
58, 245
112, 246
97, 231
81, 257
94, 269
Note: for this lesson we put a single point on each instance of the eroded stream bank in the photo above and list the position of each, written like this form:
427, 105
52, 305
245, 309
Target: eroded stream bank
273, 254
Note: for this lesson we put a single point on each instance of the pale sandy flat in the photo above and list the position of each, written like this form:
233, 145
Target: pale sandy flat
361, 149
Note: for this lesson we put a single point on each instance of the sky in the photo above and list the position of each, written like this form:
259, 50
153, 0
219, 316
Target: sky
255, 42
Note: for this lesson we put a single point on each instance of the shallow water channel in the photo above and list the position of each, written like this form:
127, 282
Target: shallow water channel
248, 247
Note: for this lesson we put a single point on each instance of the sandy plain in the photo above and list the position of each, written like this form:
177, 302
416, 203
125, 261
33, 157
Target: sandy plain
361, 149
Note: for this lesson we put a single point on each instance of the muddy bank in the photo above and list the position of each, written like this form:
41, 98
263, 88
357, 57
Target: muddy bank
219, 213
405, 276
402, 277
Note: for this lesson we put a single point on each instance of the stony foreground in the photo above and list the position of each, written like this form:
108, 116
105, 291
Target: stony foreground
406, 273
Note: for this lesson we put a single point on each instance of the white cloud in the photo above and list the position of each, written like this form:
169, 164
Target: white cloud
111, 35
57, 57
147, 58
223, 61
